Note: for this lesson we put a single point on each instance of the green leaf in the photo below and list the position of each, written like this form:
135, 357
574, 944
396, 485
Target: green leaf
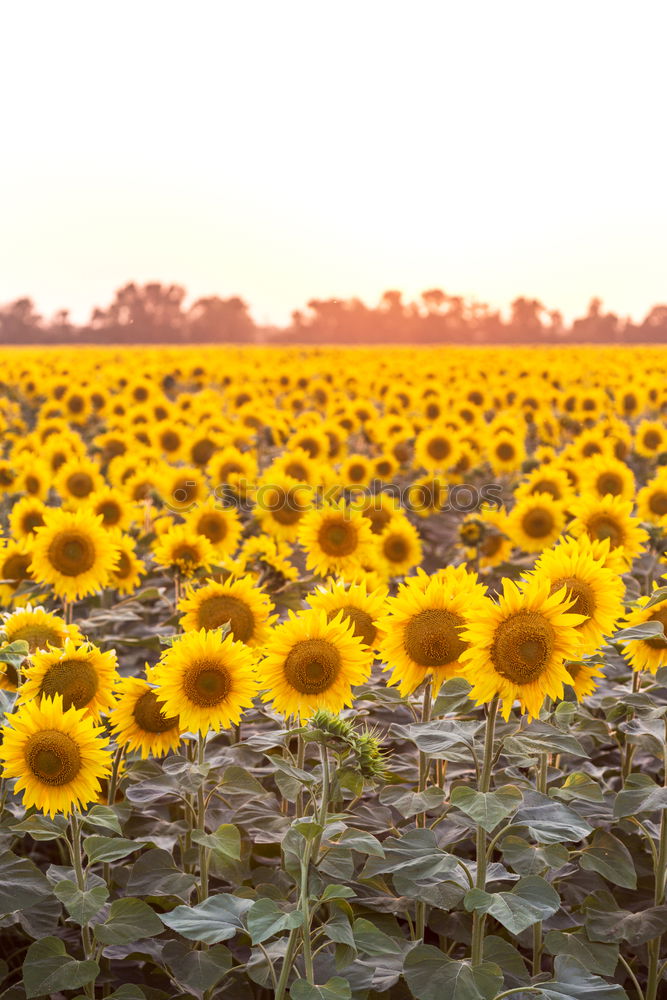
216, 919
542, 737
573, 982
128, 992
333, 989
452, 697
237, 779
487, 809
606, 923
579, 785
129, 920
594, 956
110, 848
361, 841
226, 840
334, 891
531, 900
641, 794
42, 827
197, 971
551, 822
531, 859
81, 905
48, 968
657, 597
265, 918
21, 883
609, 857
103, 816
14, 653
155, 874
431, 975
647, 630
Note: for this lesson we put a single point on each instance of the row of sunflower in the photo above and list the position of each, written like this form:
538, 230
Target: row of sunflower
292, 545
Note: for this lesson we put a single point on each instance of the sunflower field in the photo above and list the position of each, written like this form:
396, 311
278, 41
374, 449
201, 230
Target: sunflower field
333, 674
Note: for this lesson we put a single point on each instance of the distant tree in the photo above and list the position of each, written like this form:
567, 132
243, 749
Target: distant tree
220, 320
19, 322
150, 312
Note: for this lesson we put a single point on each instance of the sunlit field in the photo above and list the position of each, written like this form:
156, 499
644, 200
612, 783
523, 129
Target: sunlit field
333, 674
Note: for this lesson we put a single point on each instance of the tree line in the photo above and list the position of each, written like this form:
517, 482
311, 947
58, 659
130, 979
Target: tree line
156, 313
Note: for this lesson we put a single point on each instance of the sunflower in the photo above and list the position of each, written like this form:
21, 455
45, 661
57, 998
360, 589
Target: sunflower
536, 522
505, 452
422, 626
207, 680
545, 479
81, 674
233, 467
182, 487
77, 479
652, 500
647, 654
583, 678
299, 466
280, 504
610, 518
518, 647
399, 547
218, 523
26, 516
607, 476
360, 607
113, 507
313, 663
378, 508
336, 539
597, 592
73, 553
8, 476
356, 471
265, 554
15, 560
39, 628
128, 571
650, 438
238, 603
181, 548
427, 495
437, 449
138, 722
58, 756
35, 479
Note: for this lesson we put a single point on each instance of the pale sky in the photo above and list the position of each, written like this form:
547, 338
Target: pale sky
298, 149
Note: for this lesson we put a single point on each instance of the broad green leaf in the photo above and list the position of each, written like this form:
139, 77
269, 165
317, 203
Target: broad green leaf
647, 630
542, 737
237, 779
14, 653
333, 989
370, 940
531, 900
128, 920
410, 803
128, 992
593, 955
226, 840
606, 923
81, 905
197, 971
103, 816
216, 919
500, 952
609, 857
452, 697
48, 969
109, 848
334, 891
431, 975
487, 809
573, 982
42, 827
641, 794
657, 597
155, 874
579, 785
531, 859
549, 821
21, 883
361, 841
265, 918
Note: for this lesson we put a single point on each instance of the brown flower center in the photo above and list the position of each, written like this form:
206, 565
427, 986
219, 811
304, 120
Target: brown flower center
523, 646
123, 567
285, 506
337, 537
600, 526
432, 638
395, 548
15, 567
149, 717
505, 451
37, 636
213, 526
202, 452
219, 609
538, 522
438, 448
312, 666
53, 757
71, 553
609, 482
32, 520
206, 683
75, 680
658, 503
80, 484
110, 511
659, 641
361, 621
546, 486
579, 591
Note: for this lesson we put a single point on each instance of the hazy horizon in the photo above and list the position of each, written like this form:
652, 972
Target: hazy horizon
296, 152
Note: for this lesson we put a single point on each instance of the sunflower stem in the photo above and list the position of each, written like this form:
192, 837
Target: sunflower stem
653, 977
76, 855
478, 919
201, 821
115, 770
541, 781
304, 905
300, 758
424, 761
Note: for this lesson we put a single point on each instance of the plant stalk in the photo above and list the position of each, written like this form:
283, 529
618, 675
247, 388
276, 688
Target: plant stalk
478, 919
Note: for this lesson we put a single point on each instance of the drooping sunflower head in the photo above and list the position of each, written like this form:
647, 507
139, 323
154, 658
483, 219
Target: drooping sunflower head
647, 654
536, 522
73, 553
81, 674
207, 680
518, 646
139, 722
238, 603
58, 756
422, 629
182, 549
313, 663
15, 560
336, 539
360, 607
